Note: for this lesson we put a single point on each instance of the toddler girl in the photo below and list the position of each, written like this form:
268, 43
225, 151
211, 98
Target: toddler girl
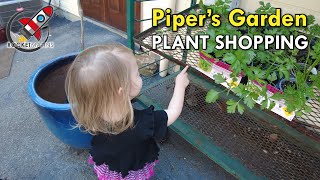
100, 85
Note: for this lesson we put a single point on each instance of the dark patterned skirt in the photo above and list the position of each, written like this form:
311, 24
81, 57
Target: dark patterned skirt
103, 172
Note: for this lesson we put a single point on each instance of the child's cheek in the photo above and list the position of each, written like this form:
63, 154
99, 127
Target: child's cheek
141, 82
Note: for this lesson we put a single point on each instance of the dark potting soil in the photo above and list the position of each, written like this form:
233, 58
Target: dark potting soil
244, 80
287, 83
243, 32
52, 87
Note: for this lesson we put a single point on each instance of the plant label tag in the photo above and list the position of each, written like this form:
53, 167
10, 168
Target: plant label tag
280, 108
210, 69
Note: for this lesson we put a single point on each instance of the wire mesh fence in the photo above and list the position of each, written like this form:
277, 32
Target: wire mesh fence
261, 147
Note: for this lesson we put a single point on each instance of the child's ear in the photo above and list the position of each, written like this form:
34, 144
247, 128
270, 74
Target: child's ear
120, 91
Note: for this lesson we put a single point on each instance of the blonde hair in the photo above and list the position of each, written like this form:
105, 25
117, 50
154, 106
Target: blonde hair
98, 88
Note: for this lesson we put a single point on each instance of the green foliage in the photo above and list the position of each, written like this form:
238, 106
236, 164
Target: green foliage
264, 104
316, 80
311, 20
276, 96
240, 108
249, 102
193, 12
230, 58
272, 105
219, 78
212, 96
272, 77
265, 66
211, 46
205, 65
233, 106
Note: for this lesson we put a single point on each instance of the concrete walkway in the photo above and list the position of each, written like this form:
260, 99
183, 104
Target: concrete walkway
28, 150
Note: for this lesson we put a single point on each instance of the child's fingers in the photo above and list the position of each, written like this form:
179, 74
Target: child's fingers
185, 69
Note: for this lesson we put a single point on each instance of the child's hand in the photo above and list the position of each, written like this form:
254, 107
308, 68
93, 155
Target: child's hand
175, 106
182, 79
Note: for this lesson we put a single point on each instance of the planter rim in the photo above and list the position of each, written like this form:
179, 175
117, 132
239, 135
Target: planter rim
283, 80
32, 89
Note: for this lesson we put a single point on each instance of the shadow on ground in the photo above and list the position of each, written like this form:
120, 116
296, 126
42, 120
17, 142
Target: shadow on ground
30, 151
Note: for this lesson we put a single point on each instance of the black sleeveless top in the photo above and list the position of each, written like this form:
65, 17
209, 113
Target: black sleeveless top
133, 148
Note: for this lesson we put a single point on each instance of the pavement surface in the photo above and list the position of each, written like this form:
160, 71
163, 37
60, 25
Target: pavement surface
28, 150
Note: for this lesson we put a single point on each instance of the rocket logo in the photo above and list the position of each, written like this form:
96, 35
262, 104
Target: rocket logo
32, 27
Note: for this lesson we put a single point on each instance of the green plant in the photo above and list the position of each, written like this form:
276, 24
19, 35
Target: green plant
265, 67
297, 95
205, 65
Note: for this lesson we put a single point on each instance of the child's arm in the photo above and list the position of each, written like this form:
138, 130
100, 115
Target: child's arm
176, 103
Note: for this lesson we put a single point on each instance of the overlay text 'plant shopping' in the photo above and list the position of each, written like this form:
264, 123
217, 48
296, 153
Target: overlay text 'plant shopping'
236, 18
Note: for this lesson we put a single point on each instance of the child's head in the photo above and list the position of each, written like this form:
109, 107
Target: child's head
100, 84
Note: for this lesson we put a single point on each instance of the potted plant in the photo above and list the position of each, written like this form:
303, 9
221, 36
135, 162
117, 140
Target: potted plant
237, 62
263, 69
298, 89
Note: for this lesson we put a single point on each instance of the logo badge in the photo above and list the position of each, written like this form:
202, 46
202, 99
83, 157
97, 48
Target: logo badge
29, 38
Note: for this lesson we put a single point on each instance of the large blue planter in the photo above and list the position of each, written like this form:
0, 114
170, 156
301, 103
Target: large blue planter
57, 117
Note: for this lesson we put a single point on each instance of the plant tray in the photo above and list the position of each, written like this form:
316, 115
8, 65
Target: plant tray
220, 67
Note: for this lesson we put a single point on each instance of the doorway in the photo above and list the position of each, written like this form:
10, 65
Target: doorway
111, 12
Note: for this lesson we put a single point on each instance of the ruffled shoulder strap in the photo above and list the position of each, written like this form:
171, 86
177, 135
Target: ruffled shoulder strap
152, 123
